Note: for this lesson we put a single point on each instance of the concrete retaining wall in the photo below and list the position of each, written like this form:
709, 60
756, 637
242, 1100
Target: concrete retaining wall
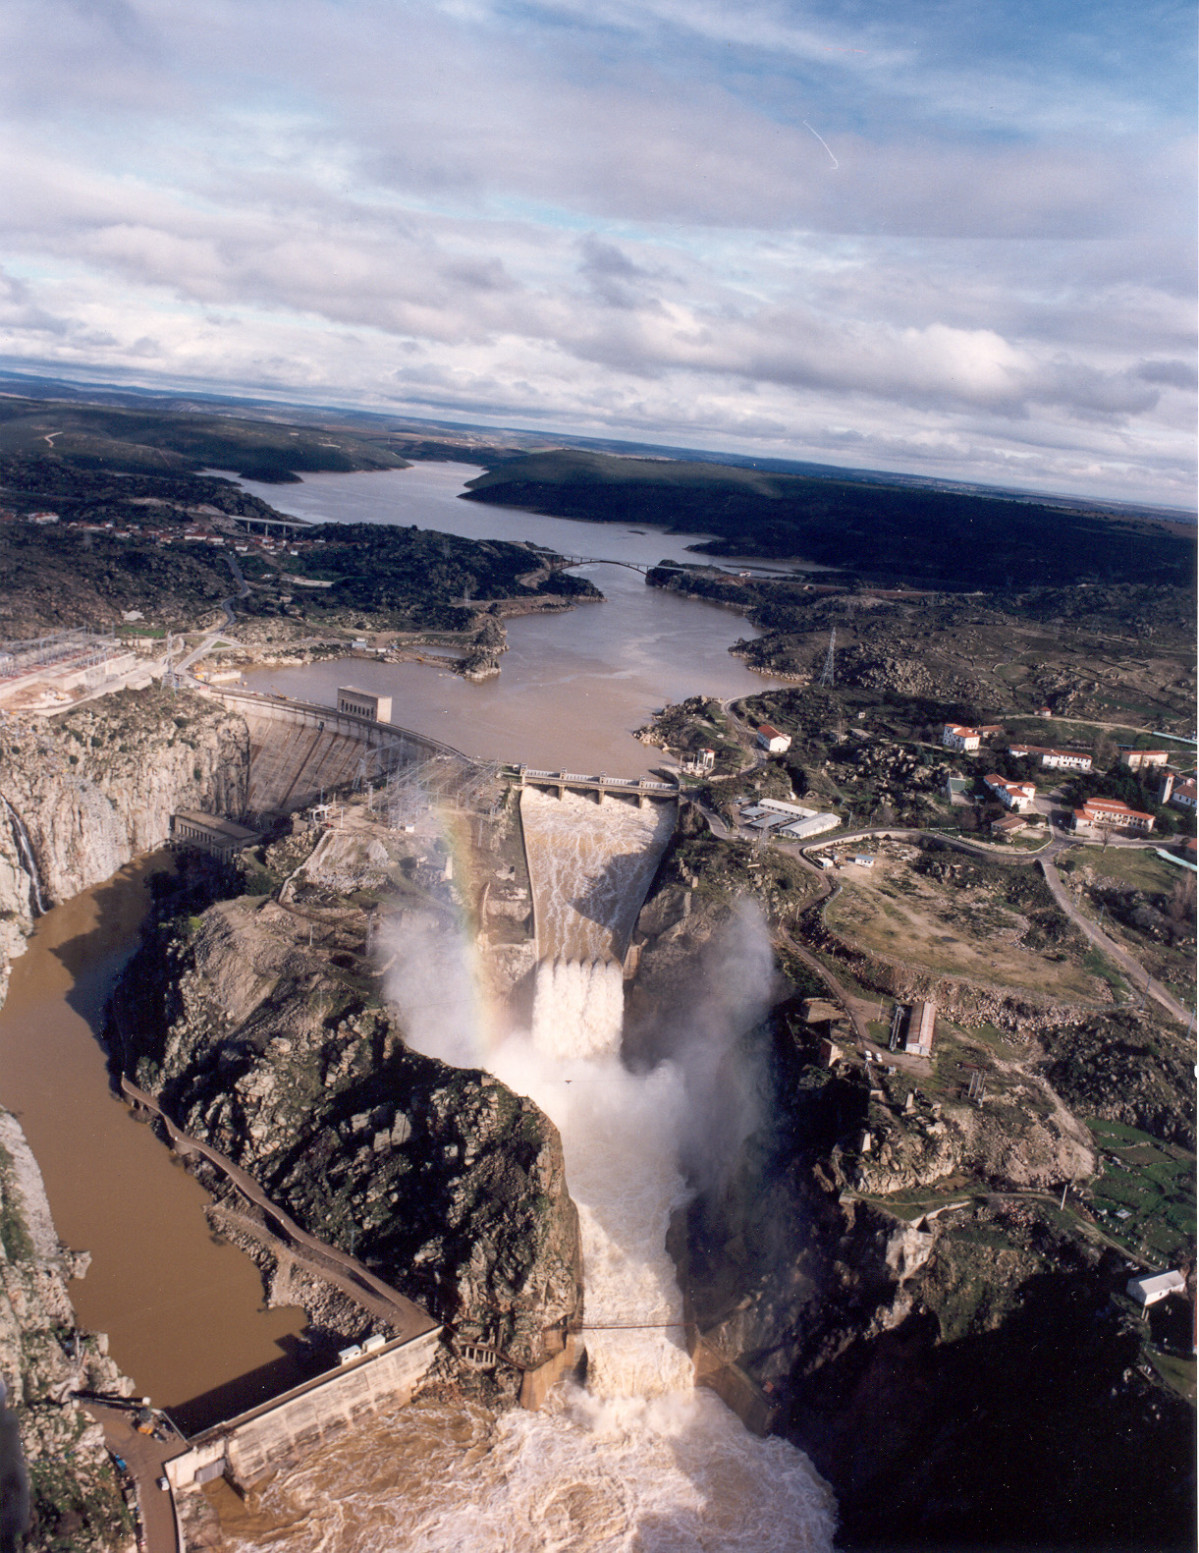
535, 1384
739, 1393
259, 1442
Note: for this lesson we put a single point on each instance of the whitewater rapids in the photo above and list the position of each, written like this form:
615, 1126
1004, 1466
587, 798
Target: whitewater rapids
641, 1461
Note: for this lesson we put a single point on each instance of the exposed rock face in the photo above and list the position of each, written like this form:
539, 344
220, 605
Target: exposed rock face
962, 1372
96, 788
441, 1179
75, 1499
891, 1270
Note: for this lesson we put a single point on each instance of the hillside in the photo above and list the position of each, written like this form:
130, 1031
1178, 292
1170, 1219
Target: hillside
957, 540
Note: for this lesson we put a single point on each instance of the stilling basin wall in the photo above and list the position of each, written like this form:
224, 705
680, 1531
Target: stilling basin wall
247, 1448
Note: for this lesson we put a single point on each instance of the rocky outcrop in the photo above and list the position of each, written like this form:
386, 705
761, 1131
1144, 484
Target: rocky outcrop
489, 642
75, 1499
262, 1030
961, 1379
86, 793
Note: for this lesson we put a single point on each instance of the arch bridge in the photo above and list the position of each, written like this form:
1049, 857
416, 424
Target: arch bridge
607, 560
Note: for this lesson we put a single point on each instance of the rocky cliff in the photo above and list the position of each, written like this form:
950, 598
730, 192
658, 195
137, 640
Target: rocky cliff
261, 1025
85, 793
889, 1269
75, 1500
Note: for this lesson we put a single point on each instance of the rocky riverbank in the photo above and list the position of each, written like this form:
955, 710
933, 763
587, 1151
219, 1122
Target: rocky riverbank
75, 1498
264, 1026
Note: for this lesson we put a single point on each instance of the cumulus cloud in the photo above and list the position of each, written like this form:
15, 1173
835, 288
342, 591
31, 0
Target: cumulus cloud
616, 217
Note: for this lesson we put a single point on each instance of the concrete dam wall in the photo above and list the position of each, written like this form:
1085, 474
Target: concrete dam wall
299, 749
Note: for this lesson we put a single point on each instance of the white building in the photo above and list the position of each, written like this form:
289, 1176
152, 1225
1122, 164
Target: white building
771, 740
1053, 760
1183, 796
1143, 760
1017, 796
1149, 1289
954, 736
1100, 814
814, 825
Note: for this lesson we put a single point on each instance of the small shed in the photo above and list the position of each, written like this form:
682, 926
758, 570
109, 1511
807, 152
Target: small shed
1151, 1288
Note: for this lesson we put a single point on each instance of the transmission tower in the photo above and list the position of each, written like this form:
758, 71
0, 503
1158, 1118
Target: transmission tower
829, 677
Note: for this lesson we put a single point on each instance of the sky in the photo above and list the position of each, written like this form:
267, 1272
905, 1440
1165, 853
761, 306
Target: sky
949, 237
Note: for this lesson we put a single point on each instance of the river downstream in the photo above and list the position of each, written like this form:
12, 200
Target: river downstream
184, 1314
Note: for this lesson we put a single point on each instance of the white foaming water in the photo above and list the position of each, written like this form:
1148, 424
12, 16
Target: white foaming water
578, 1008
590, 865
641, 1462
620, 1139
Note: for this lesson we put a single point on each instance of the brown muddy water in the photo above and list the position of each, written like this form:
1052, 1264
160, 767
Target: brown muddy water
572, 687
184, 1313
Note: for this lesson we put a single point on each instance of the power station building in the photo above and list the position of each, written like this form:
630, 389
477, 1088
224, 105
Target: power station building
209, 833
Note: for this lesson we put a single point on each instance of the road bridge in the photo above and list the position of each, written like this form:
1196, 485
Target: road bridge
643, 789
286, 528
607, 560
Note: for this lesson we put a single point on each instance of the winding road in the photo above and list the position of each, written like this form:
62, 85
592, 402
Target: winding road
1132, 968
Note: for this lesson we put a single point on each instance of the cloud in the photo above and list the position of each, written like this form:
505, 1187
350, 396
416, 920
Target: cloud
614, 217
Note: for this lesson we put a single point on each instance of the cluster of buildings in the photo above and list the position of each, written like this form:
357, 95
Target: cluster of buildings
773, 817
286, 544
1098, 815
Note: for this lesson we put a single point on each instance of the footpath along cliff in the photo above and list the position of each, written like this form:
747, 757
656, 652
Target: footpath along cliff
263, 1025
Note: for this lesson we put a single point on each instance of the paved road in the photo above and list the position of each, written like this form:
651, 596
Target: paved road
1131, 968
145, 1457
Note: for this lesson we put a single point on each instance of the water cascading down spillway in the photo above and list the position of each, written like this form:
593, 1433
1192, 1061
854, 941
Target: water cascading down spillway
590, 866
640, 1459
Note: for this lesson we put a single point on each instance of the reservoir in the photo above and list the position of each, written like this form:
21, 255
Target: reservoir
184, 1313
573, 686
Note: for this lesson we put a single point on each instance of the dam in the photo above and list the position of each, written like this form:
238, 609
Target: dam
640, 1456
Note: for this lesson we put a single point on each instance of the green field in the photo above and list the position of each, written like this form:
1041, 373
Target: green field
1151, 1181
1139, 867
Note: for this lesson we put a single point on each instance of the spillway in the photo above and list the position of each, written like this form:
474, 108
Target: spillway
640, 1461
